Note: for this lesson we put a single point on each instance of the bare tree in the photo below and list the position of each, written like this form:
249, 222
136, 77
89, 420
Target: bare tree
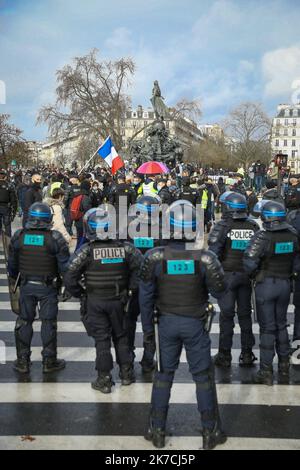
91, 98
10, 139
249, 126
211, 152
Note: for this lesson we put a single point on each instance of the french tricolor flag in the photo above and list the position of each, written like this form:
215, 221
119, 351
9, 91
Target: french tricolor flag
109, 154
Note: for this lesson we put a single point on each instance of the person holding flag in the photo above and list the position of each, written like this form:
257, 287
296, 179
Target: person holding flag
109, 154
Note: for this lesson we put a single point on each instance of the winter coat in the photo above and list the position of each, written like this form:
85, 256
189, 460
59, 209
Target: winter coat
58, 219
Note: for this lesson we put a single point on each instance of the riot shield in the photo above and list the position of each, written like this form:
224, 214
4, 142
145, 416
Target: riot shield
13, 284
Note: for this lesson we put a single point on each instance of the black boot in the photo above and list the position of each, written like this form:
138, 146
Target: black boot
156, 435
223, 358
264, 375
52, 364
212, 438
247, 358
22, 365
147, 362
127, 375
283, 368
147, 367
103, 383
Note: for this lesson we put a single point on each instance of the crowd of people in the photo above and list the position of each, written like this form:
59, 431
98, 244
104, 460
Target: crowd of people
164, 280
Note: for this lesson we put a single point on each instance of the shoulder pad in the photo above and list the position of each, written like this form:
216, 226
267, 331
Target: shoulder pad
217, 232
291, 216
208, 257
58, 237
257, 242
292, 230
254, 223
152, 257
80, 257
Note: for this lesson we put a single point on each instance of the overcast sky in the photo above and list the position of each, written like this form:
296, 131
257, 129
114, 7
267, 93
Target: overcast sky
221, 51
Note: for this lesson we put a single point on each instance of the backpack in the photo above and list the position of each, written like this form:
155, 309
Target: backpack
75, 212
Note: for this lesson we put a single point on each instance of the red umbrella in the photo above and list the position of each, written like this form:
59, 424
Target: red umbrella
152, 168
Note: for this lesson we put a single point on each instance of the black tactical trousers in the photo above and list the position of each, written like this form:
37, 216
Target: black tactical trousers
105, 321
30, 296
272, 299
296, 334
236, 299
5, 220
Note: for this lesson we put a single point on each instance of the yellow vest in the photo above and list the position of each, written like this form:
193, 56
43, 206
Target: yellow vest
148, 189
204, 200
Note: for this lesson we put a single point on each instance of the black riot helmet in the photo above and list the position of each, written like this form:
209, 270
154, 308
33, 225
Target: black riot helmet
273, 195
97, 224
273, 211
181, 216
292, 198
39, 216
148, 206
235, 204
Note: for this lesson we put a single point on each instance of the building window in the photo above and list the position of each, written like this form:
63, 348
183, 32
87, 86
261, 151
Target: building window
277, 132
294, 153
295, 112
285, 132
285, 143
277, 142
286, 122
287, 112
134, 114
122, 123
293, 143
134, 124
294, 132
145, 115
277, 122
294, 122
145, 123
292, 164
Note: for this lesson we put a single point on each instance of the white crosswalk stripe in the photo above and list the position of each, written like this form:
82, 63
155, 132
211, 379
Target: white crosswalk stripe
86, 418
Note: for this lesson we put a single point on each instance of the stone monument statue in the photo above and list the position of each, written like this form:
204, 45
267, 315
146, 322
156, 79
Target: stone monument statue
157, 144
160, 109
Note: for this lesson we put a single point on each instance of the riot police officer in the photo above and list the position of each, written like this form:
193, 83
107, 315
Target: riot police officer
187, 193
104, 271
293, 218
8, 203
149, 221
40, 255
271, 257
228, 240
177, 280
122, 189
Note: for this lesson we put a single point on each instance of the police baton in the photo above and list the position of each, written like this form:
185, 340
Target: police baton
253, 298
210, 313
127, 305
156, 336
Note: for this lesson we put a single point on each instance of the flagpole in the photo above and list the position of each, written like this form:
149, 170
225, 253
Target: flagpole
90, 159
87, 163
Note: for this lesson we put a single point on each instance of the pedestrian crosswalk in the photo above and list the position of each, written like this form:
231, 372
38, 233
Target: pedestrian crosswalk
62, 411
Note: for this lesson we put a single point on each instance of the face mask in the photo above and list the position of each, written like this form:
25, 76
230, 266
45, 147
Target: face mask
159, 187
36, 184
136, 183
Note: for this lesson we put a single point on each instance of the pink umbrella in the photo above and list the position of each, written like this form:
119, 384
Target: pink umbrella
152, 168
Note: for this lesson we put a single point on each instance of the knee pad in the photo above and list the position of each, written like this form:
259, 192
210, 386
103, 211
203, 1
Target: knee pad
204, 379
20, 322
163, 379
